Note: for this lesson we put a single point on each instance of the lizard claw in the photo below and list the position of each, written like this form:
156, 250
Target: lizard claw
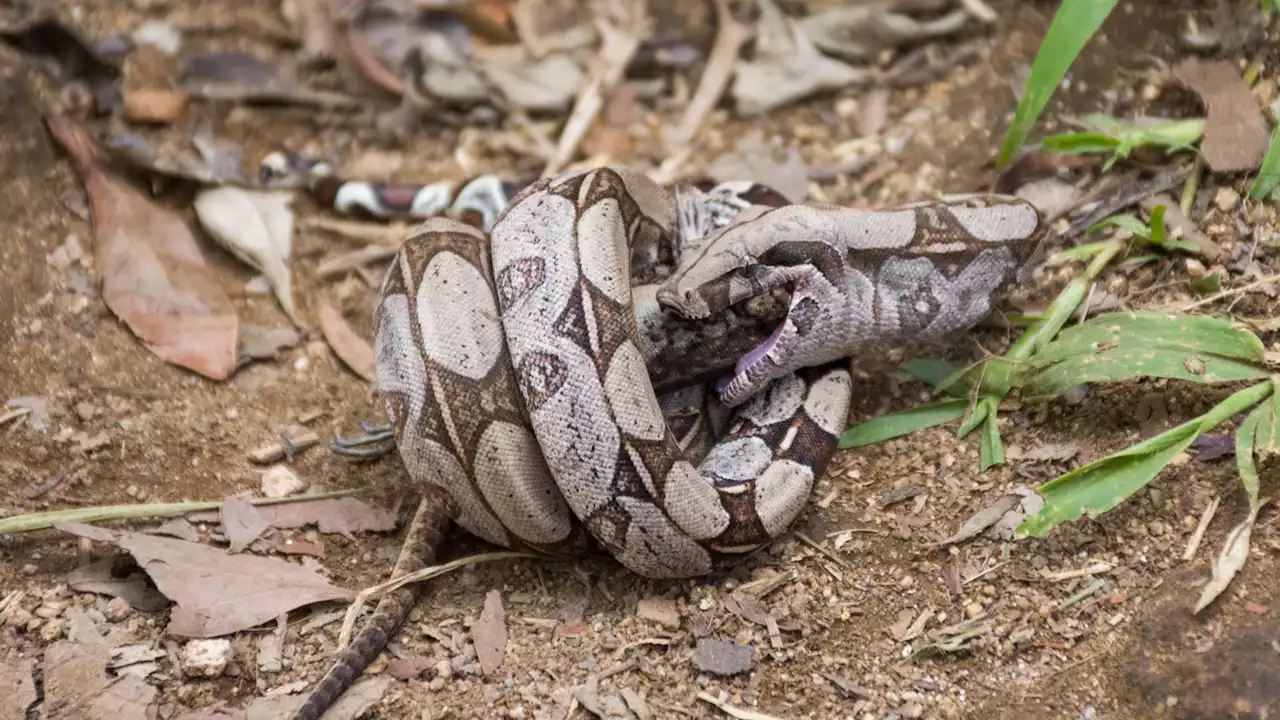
355, 447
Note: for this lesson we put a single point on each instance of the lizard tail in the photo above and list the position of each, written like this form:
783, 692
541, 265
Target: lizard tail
426, 532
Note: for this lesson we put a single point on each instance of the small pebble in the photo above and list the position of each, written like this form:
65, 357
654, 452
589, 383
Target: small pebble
206, 658
1226, 199
279, 481
19, 617
444, 670
973, 610
117, 610
53, 630
1156, 528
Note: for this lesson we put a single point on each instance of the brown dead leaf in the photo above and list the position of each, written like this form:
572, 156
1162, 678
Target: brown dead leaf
77, 684
177, 527
154, 276
354, 350
489, 634
298, 546
659, 609
410, 668
124, 580
154, 105
216, 712
983, 519
330, 515
216, 593
723, 657
17, 688
1235, 132
787, 67
361, 696
242, 523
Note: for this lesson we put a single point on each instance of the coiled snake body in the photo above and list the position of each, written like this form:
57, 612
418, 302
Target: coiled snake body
516, 367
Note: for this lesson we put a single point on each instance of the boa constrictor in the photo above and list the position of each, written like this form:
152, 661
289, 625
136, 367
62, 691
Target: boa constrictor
518, 382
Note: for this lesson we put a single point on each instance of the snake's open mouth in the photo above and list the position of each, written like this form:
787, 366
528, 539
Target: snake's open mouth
755, 366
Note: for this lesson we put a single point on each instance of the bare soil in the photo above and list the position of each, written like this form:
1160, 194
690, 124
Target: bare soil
1130, 649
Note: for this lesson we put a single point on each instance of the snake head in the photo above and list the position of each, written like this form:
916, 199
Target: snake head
789, 251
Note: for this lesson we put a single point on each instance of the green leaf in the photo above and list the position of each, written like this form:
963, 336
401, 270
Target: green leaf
902, 423
1131, 361
1266, 438
1106, 482
1126, 221
1193, 334
1158, 234
1073, 24
991, 452
1269, 173
1081, 142
1207, 284
929, 370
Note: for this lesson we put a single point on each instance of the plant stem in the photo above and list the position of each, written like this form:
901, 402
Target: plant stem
44, 520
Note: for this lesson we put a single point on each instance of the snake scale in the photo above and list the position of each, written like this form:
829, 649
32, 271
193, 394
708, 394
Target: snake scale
517, 366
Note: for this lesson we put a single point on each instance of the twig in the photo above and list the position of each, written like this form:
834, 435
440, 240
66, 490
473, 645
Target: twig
366, 232
732, 711
984, 573
45, 520
816, 546
14, 414
352, 260
348, 623
1225, 293
730, 38
1205, 518
617, 47
1093, 588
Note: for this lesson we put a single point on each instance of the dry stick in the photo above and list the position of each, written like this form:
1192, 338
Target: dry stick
1205, 518
352, 260
1224, 294
41, 521
418, 576
365, 232
730, 38
732, 711
617, 47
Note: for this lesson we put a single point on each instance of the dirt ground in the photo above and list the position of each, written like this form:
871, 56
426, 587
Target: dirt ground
127, 427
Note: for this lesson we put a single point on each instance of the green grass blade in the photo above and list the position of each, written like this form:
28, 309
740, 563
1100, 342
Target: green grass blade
929, 370
1269, 172
1124, 363
1266, 441
1073, 24
902, 423
991, 452
1106, 482
1192, 334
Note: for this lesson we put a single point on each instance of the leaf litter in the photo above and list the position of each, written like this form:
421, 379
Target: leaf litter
216, 593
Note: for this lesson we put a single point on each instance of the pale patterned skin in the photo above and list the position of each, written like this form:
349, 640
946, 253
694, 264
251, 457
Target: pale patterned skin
859, 279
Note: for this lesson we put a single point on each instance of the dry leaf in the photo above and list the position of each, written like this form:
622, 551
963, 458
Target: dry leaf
242, 523
983, 519
353, 703
787, 67
859, 31
257, 227
723, 657
154, 276
17, 688
1232, 557
753, 158
354, 350
1235, 132
265, 343
216, 593
301, 547
538, 85
330, 515
124, 580
489, 634
77, 684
